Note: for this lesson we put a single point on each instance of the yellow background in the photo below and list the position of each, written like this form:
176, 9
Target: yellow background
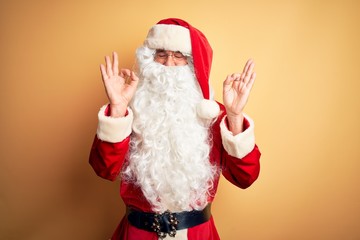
305, 104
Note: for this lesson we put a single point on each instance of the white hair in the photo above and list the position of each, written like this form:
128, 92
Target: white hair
170, 144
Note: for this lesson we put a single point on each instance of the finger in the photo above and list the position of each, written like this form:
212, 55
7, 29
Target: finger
250, 69
108, 66
125, 72
228, 80
242, 76
115, 64
231, 83
236, 76
248, 63
250, 84
103, 72
134, 80
133, 76
249, 72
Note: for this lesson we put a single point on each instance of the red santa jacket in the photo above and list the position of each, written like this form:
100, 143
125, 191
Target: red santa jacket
238, 157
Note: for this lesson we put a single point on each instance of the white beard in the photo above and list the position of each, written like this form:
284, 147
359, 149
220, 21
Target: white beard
170, 144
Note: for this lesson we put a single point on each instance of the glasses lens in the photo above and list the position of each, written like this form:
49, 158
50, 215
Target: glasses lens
161, 54
178, 55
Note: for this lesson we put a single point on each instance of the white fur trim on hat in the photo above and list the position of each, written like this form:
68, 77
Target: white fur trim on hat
169, 37
241, 144
208, 109
112, 129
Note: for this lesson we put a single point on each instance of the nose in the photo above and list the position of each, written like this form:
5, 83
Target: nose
169, 61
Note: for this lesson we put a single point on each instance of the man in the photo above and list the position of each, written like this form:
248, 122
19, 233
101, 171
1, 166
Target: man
167, 140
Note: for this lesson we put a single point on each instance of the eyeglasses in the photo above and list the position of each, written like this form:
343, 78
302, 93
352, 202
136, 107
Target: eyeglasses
162, 56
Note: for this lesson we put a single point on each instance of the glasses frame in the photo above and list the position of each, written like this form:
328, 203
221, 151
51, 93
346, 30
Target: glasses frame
164, 58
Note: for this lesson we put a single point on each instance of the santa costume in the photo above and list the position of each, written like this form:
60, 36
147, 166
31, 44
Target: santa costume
173, 144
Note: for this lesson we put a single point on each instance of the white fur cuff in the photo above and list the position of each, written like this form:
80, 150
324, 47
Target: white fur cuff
241, 144
114, 129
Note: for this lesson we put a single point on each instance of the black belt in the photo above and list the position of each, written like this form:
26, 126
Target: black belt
167, 222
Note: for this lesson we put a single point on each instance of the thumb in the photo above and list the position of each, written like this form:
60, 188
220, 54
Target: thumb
134, 79
227, 83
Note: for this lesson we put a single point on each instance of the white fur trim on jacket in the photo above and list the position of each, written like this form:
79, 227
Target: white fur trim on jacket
180, 235
114, 129
169, 37
241, 144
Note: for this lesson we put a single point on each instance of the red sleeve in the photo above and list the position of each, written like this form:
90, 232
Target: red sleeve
241, 172
107, 158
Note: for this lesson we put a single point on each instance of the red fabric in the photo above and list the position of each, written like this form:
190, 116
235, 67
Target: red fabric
201, 52
107, 160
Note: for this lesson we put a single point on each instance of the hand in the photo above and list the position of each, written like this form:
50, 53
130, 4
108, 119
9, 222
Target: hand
118, 90
236, 91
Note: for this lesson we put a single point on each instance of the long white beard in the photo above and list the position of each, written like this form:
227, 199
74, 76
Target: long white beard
170, 145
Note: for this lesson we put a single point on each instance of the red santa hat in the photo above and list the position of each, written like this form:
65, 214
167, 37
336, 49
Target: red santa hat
177, 35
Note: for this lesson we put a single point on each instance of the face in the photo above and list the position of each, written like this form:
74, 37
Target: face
170, 58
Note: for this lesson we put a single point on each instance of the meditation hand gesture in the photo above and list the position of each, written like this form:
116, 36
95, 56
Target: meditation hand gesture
119, 86
236, 90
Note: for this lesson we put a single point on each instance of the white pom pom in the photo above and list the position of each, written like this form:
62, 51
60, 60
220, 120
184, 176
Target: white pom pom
208, 109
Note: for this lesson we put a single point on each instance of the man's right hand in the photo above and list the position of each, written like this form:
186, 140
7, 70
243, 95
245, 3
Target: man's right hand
120, 86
